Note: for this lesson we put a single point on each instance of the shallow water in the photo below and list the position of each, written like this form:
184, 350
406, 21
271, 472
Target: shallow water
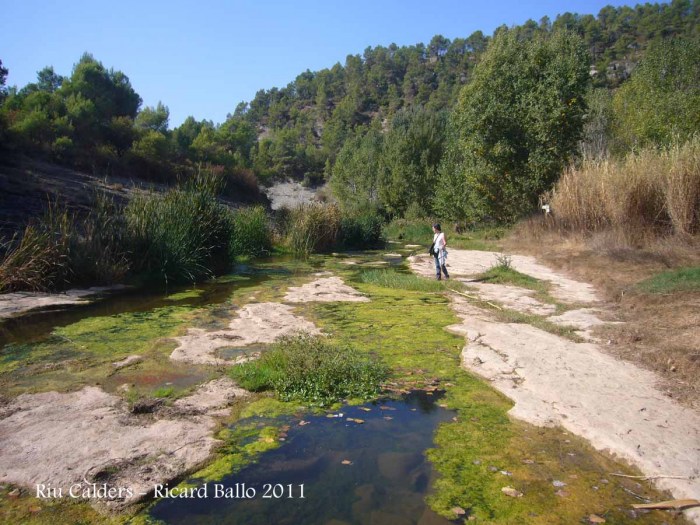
386, 481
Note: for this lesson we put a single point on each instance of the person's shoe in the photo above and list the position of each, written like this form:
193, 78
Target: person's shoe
439, 278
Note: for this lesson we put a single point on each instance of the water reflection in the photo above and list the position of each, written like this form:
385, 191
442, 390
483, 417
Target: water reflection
353, 473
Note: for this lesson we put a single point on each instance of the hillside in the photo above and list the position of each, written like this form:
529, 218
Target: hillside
27, 187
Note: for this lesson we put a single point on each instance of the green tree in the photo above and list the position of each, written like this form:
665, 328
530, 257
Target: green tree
519, 121
48, 80
3, 78
354, 175
412, 150
155, 119
661, 102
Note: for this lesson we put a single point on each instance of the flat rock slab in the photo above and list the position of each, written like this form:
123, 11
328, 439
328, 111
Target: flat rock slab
17, 303
256, 323
613, 404
472, 262
327, 290
90, 435
128, 361
513, 297
583, 319
212, 398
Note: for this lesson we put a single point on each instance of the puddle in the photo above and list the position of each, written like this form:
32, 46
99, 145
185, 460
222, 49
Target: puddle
234, 352
385, 481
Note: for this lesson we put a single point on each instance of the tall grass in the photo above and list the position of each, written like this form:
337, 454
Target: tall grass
361, 230
312, 228
251, 234
652, 190
38, 260
183, 235
99, 246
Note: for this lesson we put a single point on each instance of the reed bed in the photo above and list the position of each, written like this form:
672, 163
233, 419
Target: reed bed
648, 191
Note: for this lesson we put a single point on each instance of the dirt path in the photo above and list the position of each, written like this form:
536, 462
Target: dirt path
555, 381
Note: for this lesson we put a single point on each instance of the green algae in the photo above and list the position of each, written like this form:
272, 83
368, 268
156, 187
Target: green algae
482, 450
269, 407
28, 510
188, 294
83, 352
244, 442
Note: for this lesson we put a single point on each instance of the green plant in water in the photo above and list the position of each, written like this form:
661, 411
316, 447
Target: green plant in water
390, 278
311, 369
164, 391
312, 228
183, 235
251, 233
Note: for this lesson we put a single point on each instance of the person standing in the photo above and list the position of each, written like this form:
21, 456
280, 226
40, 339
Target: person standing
439, 251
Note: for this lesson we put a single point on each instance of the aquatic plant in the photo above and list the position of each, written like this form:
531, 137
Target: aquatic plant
251, 234
390, 278
182, 235
312, 228
311, 369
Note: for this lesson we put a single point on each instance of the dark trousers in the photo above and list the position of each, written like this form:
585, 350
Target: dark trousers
440, 265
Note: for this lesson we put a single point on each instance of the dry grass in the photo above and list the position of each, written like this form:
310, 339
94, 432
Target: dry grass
39, 259
647, 192
312, 228
661, 332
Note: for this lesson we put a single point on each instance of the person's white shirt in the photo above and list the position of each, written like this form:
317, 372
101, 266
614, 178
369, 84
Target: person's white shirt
439, 240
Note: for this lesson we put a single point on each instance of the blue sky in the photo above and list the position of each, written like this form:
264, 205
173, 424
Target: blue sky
202, 58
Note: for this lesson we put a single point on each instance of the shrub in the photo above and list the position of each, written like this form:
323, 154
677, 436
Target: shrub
251, 233
412, 231
313, 370
363, 230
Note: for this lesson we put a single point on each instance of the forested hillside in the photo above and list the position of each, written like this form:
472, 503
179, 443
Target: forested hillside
389, 110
